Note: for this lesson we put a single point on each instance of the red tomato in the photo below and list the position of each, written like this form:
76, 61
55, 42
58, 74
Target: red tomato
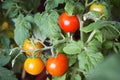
33, 66
68, 23
57, 66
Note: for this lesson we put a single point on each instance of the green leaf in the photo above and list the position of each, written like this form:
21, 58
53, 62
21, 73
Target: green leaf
108, 44
38, 34
69, 7
48, 24
20, 34
51, 4
29, 5
29, 18
72, 59
77, 77
99, 36
6, 74
5, 41
21, 31
101, 24
73, 47
90, 57
14, 12
7, 4
73, 8
63, 77
4, 59
79, 8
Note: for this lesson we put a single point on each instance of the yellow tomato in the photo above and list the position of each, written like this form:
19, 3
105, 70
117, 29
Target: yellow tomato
97, 7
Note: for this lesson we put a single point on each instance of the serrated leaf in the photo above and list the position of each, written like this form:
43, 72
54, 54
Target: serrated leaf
37, 33
90, 57
48, 24
29, 18
51, 4
111, 32
99, 25
73, 47
21, 31
69, 7
20, 34
79, 8
6, 74
22, 22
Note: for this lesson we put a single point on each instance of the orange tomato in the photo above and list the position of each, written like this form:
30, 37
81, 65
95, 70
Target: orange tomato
33, 66
30, 45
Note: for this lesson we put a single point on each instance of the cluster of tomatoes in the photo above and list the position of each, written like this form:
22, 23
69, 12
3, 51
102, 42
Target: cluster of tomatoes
34, 65
57, 65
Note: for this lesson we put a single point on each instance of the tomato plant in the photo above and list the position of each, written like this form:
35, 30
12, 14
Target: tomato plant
74, 35
30, 45
68, 23
57, 66
34, 66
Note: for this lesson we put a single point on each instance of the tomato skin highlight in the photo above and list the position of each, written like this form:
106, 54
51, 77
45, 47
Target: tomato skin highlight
68, 23
97, 7
27, 45
33, 66
57, 66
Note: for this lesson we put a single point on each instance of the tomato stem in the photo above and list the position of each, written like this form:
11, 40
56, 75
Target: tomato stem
81, 32
13, 61
88, 4
91, 36
16, 48
62, 35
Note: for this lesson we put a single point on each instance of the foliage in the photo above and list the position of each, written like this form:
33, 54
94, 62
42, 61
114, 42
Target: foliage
98, 36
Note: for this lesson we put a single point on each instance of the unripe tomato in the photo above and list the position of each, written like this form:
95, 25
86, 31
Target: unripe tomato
97, 7
5, 25
30, 45
57, 66
33, 66
68, 23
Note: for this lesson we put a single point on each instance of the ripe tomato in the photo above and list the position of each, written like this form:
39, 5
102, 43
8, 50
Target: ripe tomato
97, 7
68, 23
30, 45
33, 66
57, 66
